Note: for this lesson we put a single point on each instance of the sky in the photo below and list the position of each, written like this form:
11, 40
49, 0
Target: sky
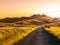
17, 8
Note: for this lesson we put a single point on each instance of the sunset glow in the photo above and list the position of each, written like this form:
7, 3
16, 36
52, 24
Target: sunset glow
16, 8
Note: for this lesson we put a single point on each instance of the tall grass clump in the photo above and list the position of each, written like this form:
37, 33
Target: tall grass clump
10, 35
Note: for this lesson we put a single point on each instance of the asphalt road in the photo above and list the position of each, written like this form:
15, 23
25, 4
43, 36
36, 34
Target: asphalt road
38, 37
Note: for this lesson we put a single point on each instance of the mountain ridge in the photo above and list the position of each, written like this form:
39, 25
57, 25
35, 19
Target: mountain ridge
34, 19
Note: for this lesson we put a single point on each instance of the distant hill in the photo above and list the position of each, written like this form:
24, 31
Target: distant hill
36, 19
12, 20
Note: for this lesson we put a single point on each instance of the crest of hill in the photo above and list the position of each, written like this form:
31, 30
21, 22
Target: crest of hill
34, 18
31, 18
40, 16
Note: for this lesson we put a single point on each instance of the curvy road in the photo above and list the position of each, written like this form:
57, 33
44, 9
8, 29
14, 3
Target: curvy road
38, 37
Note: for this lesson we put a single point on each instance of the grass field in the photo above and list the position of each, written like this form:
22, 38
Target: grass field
10, 35
55, 31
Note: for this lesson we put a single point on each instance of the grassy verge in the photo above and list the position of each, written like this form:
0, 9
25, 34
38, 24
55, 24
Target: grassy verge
10, 35
55, 33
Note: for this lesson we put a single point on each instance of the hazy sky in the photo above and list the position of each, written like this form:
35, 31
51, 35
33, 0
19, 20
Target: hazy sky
13, 8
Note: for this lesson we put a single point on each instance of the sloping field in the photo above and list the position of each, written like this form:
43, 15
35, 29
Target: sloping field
10, 35
55, 31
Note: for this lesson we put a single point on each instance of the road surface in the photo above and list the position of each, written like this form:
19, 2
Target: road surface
38, 37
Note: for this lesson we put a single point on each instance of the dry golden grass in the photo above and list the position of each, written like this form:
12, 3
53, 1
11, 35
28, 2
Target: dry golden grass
55, 31
10, 35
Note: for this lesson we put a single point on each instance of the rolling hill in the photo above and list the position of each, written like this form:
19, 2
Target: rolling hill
35, 19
